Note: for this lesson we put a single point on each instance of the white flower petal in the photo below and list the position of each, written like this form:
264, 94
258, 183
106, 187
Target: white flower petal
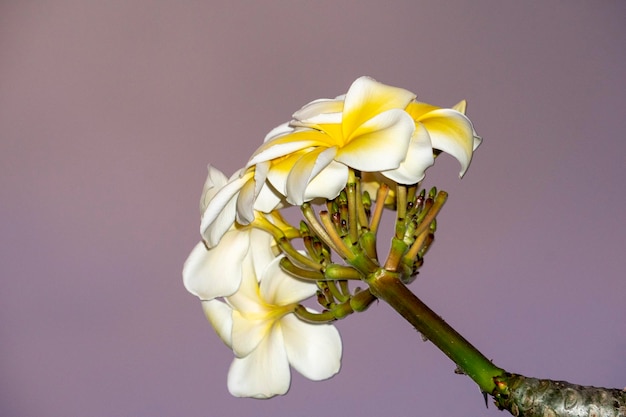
280, 289
307, 167
217, 272
367, 98
221, 211
260, 251
314, 350
319, 112
418, 158
245, 203
279, 130
249, 330
295, 141
214, 181
461, 107
451, 132
247, 298
381, 143
219, 315
264, 373
328, 183
268, 199
251, 319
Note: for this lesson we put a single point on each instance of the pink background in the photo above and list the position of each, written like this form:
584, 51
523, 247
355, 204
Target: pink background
110, 111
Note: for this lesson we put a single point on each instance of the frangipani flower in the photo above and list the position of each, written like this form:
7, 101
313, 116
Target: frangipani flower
368, 130
258, 324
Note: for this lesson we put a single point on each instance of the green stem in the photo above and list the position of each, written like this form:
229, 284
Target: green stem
381, 196
387, 286
352, 207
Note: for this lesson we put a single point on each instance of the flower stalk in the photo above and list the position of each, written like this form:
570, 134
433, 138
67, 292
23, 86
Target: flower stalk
387, 286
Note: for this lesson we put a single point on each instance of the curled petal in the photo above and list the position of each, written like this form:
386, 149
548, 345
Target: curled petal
314, 350
328, 183
367, 98
304, 170
320, 111
451, 132
279, 130
416, 109
245, 203
264, 373
287, 144
461, 107
221, 211
381, 143
269, 199
418, 158
214, 181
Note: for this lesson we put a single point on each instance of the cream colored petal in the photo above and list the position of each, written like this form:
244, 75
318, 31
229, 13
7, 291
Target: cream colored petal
280, 170
381, 143
451, 132
314, 350
320, 111
269, 199
221, 211
279, 130
248, 332
260, 251
245, 203
257, 195
247, 299
214, 181
280, 289
417, 109
217, 272
304, 170
328, 183
264, 373
252, 320
219, 315
418, 158
288, 144
461, 107
367, 98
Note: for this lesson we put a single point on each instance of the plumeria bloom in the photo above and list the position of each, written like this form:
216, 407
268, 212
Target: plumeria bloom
373, 128
367, 130
258, 324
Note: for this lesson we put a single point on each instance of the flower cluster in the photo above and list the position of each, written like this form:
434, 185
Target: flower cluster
251, 281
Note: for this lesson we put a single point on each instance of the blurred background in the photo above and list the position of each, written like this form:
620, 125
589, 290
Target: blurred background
110, 112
